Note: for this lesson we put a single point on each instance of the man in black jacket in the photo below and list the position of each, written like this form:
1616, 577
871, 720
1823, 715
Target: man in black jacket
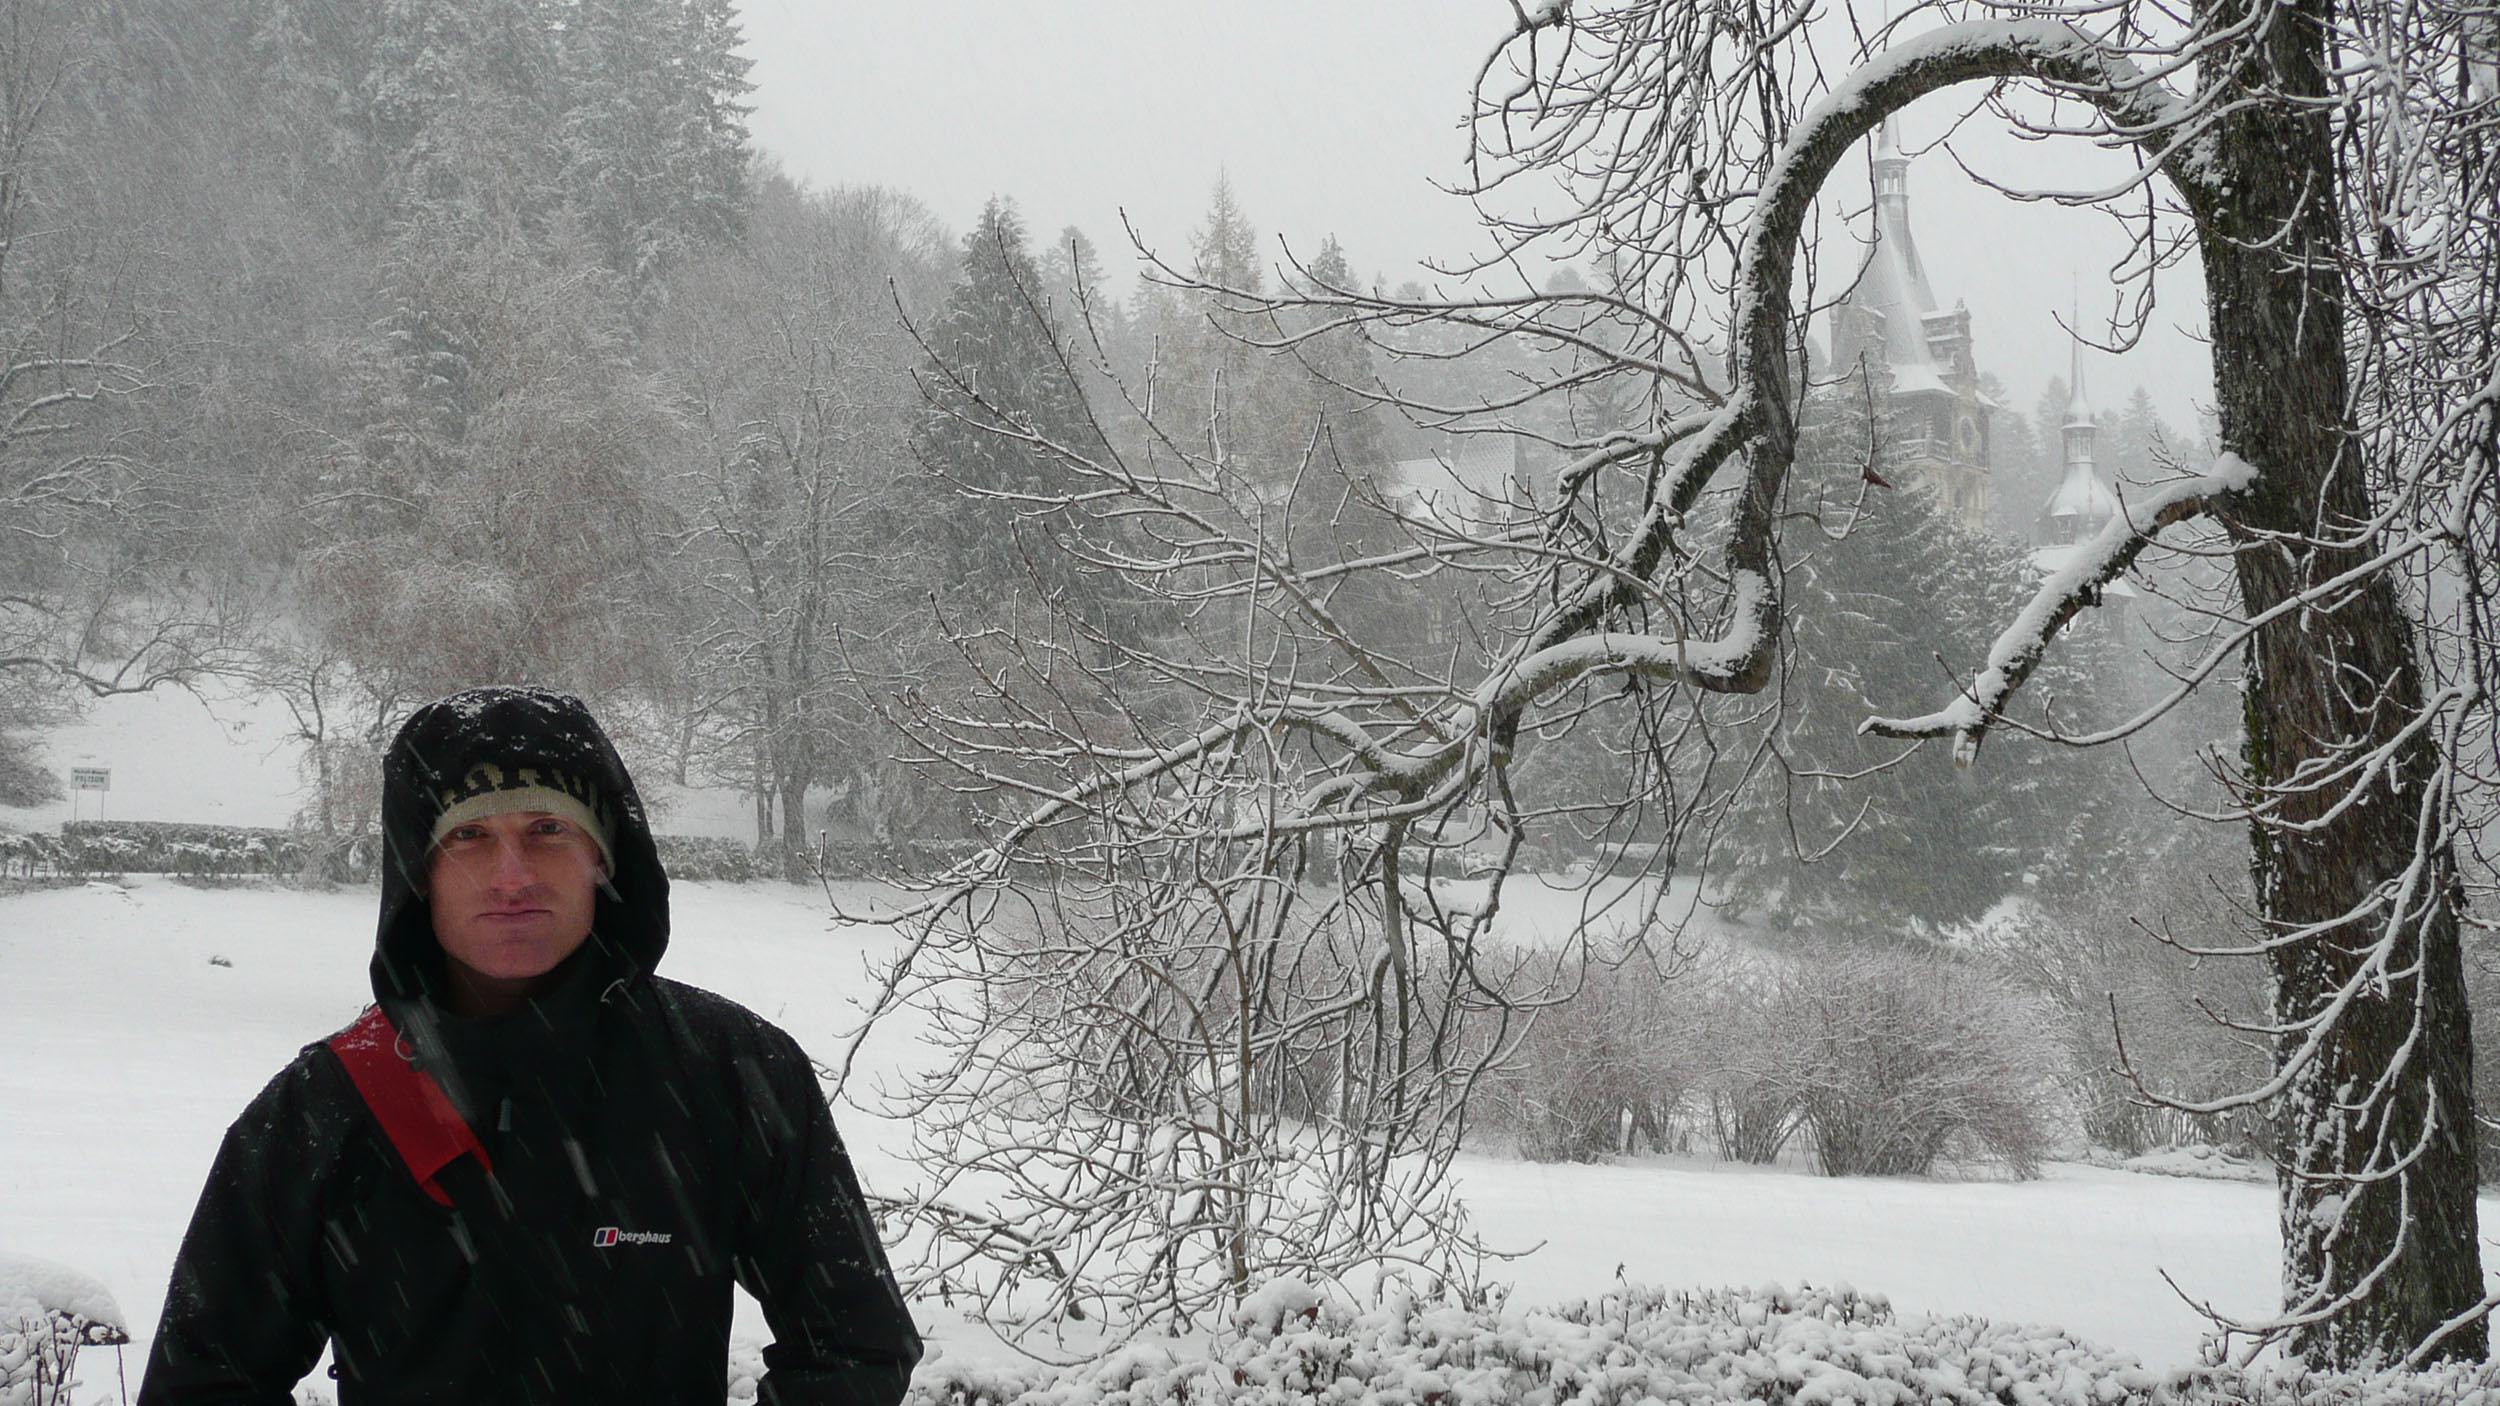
624, 1146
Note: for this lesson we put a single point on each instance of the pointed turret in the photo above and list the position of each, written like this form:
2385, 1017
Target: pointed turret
1890, 323
2082, 502
1885, 315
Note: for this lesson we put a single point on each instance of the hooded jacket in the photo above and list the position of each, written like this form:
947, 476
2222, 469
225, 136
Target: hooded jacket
650, 1142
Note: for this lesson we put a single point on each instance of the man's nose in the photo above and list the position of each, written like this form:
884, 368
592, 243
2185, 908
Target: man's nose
508, 867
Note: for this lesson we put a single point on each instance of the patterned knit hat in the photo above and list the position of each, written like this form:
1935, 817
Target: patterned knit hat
489, 789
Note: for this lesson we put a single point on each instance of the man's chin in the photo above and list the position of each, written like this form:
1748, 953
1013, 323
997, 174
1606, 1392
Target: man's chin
515, 953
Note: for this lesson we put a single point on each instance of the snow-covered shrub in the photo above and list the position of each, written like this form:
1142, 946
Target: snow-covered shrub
1898, 1058
24, 855
1601, 1071
1291, 1345
2167, 1001
1752, 1103
47, 1313
702, 857
169, 847
1806, 1348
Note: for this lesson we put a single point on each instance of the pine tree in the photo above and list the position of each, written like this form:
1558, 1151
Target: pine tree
2022, 467
1872, 613
996, 374
2139, 442
655, 138
1093, 323
1326, 372
461, 95
1217, 393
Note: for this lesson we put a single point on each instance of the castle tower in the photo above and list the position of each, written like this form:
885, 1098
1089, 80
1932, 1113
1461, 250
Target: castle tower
2082, 502
1889, 322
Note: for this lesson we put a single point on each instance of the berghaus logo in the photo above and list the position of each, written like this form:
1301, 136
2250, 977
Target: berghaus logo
608, 1236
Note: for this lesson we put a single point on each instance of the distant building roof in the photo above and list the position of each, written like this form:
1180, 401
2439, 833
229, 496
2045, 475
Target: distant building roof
1477, 477
1894, 282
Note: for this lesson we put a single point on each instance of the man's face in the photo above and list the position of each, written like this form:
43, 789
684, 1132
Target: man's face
512, 897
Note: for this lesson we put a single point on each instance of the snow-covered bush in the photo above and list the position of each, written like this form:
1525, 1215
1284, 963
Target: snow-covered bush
2167, 1003
1885, 1060
1603, 1071
26, 856
47, 1313
1900, 1058
701, 857
168, 847
1752, 1104
1292, 1344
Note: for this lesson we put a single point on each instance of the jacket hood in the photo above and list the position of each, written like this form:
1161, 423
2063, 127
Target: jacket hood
449, 746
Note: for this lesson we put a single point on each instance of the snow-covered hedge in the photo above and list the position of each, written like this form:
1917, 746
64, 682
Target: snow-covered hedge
1808, 1347
168, 847
230, 851
706, 857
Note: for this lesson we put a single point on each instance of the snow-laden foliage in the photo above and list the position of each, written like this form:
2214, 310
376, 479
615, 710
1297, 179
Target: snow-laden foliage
48, 1312
1291, 1345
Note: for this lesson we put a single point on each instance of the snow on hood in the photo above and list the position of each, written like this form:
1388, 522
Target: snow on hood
510, 727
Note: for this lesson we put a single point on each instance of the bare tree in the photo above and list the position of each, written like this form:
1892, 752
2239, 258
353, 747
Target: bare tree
92, 529
798, 381
2331, 167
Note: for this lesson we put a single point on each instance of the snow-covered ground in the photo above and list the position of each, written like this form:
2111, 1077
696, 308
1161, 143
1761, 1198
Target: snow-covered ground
224, 756
125, 1049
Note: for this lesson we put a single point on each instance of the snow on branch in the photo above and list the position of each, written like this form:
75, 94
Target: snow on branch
2068, 590
1756, 423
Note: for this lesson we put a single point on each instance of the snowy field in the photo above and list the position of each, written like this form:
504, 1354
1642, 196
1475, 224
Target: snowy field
125, 1049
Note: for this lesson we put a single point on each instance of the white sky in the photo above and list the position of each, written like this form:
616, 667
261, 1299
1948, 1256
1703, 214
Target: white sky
1330, 117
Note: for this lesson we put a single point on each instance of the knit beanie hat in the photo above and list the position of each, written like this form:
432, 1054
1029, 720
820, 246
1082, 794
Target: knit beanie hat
488, 789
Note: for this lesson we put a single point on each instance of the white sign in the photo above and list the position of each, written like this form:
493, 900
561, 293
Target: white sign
91, 778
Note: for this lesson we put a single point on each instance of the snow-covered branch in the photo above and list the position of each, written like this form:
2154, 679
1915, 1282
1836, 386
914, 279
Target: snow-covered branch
2074, 586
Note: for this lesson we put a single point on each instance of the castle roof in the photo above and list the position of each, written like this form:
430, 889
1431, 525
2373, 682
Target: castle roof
1893, 282
1475, 477
2081, 495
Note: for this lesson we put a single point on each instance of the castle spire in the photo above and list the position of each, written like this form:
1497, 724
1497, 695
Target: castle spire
2078, 408
2082, 501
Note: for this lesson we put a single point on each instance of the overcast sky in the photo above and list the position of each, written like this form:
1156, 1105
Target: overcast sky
1331, 117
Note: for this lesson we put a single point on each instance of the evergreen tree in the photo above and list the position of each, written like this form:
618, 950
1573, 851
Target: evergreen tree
461, 95
1890, 585
995, 375
1216, 392
1327, 370
655, 140
2139, 443
2022, 464
1094, 324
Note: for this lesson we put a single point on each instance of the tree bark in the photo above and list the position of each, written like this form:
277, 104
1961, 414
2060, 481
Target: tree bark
796, 863
2323, 684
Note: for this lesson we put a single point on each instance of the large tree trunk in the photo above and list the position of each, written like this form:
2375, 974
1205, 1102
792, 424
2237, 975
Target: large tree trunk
2389, 1097
797, 861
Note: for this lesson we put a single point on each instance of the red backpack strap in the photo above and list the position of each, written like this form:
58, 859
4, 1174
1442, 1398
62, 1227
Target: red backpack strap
413, 1110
